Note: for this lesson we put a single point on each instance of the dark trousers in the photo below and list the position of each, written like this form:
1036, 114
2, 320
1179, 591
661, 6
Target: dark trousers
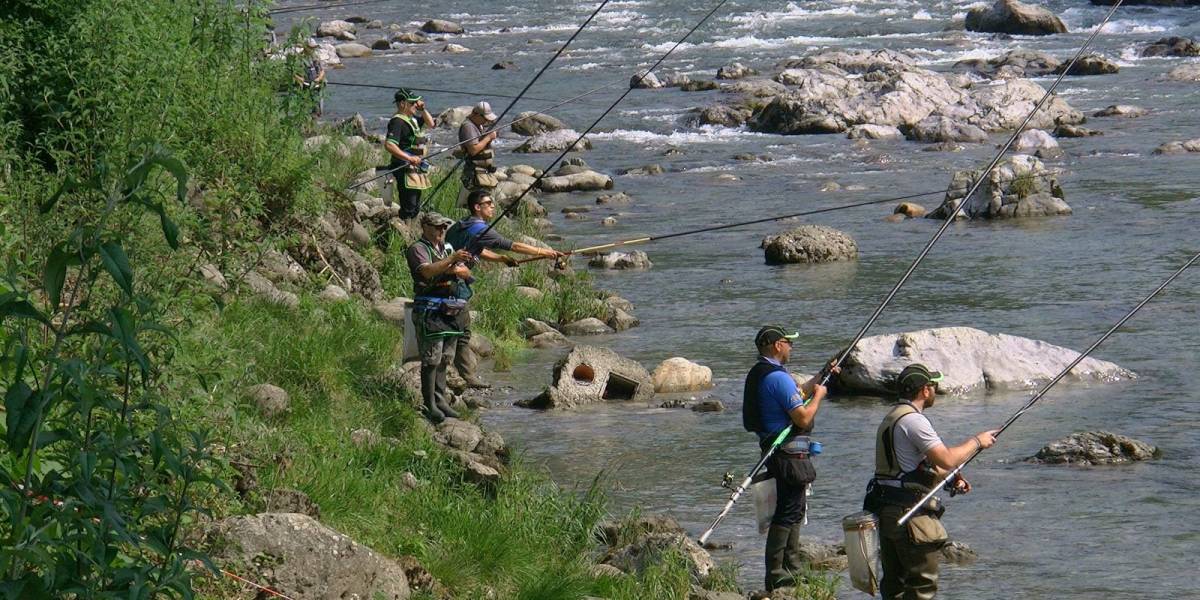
910, 571
410, 200
790, 503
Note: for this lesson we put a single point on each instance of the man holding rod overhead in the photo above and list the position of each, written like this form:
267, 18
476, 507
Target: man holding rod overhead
405, 143
771, 401
910, 458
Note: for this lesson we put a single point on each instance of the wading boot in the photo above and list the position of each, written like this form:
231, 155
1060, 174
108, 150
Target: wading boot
466, 362
777, 546
445, 409
793, 561
432, 412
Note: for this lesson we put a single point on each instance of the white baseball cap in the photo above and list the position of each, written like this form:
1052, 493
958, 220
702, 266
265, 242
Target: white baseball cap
484, 110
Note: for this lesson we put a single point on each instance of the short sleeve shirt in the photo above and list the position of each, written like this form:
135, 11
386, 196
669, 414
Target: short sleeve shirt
778, 395
397, 131
468, 131
491, 239
418, 254
914, 438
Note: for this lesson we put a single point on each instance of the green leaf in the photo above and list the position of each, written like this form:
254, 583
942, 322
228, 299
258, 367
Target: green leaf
124, 331
20, 404
10, 306
68, 185
116, 262
55, 274
170, 229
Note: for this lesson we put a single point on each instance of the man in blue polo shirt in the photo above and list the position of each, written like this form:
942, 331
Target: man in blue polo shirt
771, 402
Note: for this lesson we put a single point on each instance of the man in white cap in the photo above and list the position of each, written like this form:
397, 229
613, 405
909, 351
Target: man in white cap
477, 150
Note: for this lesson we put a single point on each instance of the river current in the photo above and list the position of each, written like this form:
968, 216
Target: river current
1040, 531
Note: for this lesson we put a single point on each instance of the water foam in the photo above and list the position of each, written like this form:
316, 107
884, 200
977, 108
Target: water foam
706, 134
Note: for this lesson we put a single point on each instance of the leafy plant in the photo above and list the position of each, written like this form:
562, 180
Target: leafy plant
96, 477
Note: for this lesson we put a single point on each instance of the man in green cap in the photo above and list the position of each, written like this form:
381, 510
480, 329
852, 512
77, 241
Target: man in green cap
771, 401
406, 144
910, 459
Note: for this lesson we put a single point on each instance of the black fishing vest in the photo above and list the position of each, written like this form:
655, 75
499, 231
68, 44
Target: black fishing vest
751, 411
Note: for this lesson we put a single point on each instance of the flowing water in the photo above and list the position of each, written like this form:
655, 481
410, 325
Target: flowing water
1124, 532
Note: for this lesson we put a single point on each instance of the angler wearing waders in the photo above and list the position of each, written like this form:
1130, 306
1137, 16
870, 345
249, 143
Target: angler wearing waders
771, 401
406, 143
479, 168
910, 458
473, 235
313, 80
438, 271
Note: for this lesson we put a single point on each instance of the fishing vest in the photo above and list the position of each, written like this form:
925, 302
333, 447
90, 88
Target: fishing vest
887, 464
441, 286
751, 410
465, 234
414, 143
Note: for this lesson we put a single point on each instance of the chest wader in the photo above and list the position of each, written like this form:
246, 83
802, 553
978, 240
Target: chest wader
793, 472
436, 312
478, 172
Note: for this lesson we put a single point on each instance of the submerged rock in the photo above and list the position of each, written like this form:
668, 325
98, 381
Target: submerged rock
1172, 46
1017, 18
555, 141
1020, 186
726, 115
1075, 131
635, 259
295, 555
970, 359
1095, 448
809, 244
1179, 147
1185, 73
591, 374
735, 71
1092, 64
1121, 110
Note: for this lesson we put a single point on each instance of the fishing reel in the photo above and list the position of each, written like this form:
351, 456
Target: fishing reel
727, 480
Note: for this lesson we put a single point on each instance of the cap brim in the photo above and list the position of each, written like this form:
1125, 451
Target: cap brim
491, 116
936, 376
792, 336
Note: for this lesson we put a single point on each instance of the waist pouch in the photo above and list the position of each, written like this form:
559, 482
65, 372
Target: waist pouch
792, 466
433, 324
444, 306
484, 179
416, 180
926, 530
878, 496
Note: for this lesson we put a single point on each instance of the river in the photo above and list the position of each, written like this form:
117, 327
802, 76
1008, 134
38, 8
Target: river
1040, 531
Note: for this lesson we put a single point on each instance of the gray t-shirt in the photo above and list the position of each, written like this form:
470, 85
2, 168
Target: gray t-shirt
913, 437
468, 131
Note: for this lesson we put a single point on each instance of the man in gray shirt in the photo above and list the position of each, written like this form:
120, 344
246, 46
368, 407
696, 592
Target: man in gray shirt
910, 459
477, 150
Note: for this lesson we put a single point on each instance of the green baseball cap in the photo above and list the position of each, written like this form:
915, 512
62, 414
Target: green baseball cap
406, 95
916, 376
773, 333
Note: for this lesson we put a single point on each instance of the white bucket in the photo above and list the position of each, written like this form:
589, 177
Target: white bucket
861, 531
410, 351
764, 503
388, 189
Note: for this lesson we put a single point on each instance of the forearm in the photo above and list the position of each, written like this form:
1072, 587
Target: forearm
436, 268
395, 150
427, 118
528, 250
488, 255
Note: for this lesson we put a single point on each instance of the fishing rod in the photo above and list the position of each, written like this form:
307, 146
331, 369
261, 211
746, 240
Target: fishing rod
292, 9
920, 257
438, 91
632, 86
537, 76
1046, 388
655, 238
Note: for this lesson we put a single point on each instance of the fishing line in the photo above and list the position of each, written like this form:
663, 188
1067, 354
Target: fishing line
1046, 388
632, 86
539, 74
916, 262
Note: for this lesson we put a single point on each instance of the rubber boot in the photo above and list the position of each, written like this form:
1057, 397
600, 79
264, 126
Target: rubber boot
444, 407
428, 386
466, 362
777, 546
793, 561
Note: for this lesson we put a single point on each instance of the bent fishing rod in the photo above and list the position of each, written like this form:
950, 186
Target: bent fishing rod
916, 262
632, 86
520, 95
817, 211
1046, 388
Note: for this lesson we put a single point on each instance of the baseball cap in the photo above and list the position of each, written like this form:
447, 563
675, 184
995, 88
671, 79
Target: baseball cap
484, 110
916, 376
434, 219
405, 95
773, 333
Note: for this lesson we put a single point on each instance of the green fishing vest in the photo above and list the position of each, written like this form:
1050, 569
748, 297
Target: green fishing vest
887, 464
414, 140
440, 286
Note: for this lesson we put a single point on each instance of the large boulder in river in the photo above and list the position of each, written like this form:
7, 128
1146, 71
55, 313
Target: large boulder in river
1038, 143
1095, 448
1092, 64
645, 80
442, 26
353, 50
1014, 63
591, 374
454, 117
854, 61
735, 71
1185, 73
678, 374
336, 29
531, 123
809, 244
970, 359
555, 141
1020, 186
1017, 18
1187, 147
294, 554
940, 129
635, 259
587, 181
1172, 46
728, 115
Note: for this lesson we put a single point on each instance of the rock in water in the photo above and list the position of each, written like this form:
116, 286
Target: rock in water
1014, 63
593, 374
679, 374
735, 71
1179, 147
335, 28
936, 128
296, 555
1172, 46
1092, 64
970, 359
442, 26
1127, 111
621, 260
1037, 142
353, 50
809, 244
586, 181
645, 80
1017, 18
530, 123
1185, 73
724, 114
1095, 448
648, 551
1020, 186
555, 141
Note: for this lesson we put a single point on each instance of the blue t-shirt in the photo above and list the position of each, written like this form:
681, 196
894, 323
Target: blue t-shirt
778, 395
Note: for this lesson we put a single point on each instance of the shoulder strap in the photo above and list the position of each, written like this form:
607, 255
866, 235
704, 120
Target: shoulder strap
751, 411
887, 466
